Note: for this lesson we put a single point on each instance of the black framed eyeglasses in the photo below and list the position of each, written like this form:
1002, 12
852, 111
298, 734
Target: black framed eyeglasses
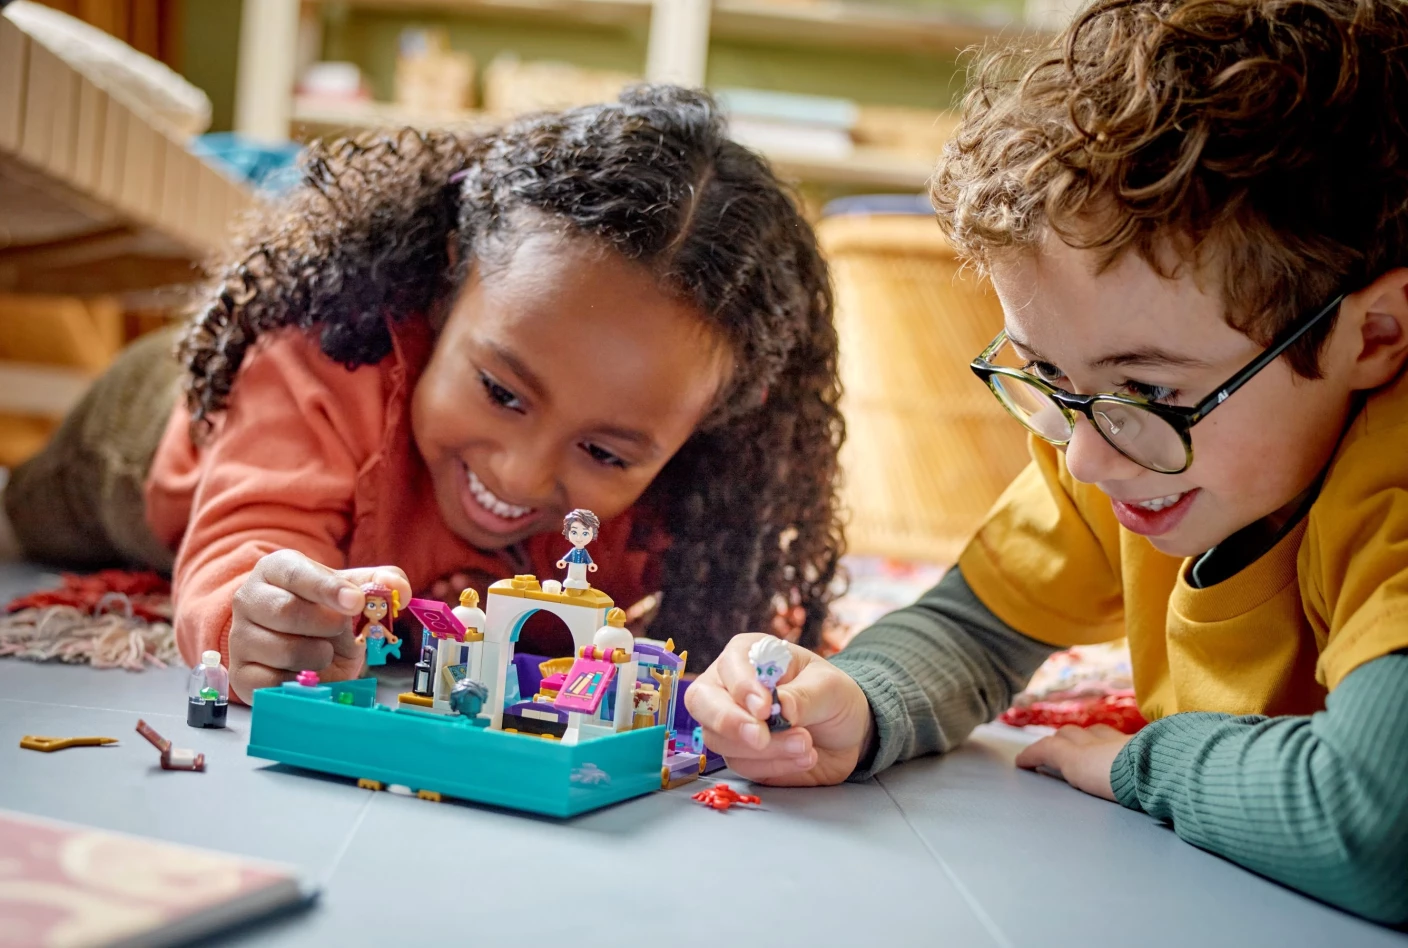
1151, 435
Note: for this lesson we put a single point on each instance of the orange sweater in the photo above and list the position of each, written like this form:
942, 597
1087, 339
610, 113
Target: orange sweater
313, 457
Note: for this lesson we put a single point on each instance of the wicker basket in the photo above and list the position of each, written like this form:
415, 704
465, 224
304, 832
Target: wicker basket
928, 449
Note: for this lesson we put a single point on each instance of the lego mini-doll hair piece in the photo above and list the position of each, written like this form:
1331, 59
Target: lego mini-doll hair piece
390, 596
469, 598
467, 697
770, 650
749, 504
586, 518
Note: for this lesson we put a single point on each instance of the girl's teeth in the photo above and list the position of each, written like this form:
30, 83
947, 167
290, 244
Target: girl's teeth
1159, 503
493, 504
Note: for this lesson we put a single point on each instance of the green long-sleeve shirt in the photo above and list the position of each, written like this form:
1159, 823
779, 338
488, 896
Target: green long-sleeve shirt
1319, 803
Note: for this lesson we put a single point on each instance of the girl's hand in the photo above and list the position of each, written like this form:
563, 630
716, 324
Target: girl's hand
292, 613
1081, 756
829, 713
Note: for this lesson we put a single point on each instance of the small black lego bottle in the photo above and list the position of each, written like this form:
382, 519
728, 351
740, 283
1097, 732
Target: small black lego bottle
208, 695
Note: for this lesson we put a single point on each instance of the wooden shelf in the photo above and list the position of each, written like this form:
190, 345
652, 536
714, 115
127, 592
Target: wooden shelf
866, 166
601, 12
854, 25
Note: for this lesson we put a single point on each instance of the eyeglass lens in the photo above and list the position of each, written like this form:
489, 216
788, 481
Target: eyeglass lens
1139, 435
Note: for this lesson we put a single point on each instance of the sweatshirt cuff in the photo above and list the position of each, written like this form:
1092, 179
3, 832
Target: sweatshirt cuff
886, 710
1124, 775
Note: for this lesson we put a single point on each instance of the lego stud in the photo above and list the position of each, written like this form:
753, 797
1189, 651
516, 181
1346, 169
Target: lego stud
770, 658
580, 527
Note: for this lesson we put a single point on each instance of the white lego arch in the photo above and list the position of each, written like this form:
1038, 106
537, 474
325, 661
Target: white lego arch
510, 603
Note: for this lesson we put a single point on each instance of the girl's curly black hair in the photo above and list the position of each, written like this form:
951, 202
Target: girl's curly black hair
750, 501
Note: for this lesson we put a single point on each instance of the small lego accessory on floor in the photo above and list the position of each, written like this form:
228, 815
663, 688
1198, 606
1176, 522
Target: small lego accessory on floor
721, 796
208, 693
580, 527
172, 758
49, 744
382, 606
307, 678
770, 658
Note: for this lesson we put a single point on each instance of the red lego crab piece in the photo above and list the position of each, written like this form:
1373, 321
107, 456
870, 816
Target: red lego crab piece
721, 796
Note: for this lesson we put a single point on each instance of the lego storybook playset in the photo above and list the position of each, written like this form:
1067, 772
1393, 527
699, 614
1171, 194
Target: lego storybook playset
600, 728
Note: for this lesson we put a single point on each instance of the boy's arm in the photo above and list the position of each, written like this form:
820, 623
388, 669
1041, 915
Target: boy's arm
1317, 803
935, 670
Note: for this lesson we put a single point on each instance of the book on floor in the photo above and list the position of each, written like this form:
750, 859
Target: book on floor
63, 884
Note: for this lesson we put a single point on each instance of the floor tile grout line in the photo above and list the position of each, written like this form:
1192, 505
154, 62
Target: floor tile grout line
969, 899
347, 842
84, 707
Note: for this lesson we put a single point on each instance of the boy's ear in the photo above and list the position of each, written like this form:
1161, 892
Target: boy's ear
1380, 319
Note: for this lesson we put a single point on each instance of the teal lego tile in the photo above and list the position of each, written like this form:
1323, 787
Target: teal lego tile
452, 757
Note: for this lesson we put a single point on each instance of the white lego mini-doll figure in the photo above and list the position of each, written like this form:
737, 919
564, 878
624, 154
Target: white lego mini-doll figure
580, 527
770, 658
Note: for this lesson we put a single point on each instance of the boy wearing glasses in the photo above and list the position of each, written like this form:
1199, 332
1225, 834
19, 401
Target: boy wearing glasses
1195, 214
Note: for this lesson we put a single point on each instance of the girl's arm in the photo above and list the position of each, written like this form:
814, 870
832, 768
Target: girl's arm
935, 670
280, 474
1318, 803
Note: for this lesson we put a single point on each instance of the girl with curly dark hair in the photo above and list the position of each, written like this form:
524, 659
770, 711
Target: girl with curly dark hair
441, 343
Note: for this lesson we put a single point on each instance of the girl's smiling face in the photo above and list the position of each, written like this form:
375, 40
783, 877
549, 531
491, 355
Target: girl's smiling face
563, 377
1132, 331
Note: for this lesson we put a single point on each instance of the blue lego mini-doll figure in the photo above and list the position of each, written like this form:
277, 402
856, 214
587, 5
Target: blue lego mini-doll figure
467, 698
580, 527
380, 602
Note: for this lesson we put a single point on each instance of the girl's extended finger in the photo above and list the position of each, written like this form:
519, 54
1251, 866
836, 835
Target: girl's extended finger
282, 652
291, 570
246, 678
280, 610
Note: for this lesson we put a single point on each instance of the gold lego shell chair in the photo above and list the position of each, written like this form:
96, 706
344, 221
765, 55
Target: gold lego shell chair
928, 448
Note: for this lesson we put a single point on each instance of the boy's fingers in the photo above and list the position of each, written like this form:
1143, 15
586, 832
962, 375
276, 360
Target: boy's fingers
1049, 752
813, 696
793, 744
291, 570
783, 771
716, 710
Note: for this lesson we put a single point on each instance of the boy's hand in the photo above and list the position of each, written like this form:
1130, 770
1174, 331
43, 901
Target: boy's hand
292, 613
1081, 756
829, 713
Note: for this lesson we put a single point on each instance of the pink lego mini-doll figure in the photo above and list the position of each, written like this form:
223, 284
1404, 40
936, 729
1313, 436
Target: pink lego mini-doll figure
770, 658
580, 527
380, 610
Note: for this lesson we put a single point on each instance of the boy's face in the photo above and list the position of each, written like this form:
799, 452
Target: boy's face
563, 377
1131, 331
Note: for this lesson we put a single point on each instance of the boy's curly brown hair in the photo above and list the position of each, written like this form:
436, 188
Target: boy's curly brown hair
750, 501
1265, 141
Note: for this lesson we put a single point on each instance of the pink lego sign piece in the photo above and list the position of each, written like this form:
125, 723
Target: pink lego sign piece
586, 685
437, 617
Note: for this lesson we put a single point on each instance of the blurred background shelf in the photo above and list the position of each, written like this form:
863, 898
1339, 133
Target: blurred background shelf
865, 167
896, 61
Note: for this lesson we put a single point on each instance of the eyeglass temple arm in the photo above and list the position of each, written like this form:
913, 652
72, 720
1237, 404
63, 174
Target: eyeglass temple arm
1203, 408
